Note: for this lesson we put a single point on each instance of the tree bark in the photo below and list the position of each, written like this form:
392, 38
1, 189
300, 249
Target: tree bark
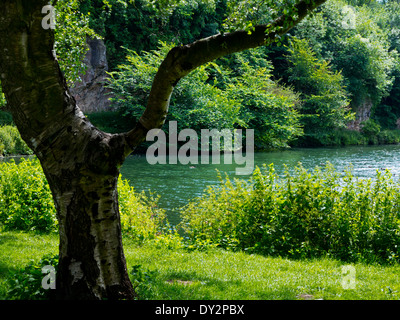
81, 163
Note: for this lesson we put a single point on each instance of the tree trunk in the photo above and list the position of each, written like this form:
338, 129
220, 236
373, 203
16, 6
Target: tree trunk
81, 163
84, 186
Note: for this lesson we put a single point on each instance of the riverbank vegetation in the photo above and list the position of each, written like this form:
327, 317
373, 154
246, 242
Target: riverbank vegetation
11, 142
301, 215
334, 80
320, 220
336, 70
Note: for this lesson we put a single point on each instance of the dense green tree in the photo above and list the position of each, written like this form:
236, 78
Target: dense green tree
235, 94
324, 98
266, 106
139, 25
388, 111
352, 40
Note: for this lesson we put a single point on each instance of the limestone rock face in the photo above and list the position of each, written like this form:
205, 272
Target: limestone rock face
90, 93
363, 113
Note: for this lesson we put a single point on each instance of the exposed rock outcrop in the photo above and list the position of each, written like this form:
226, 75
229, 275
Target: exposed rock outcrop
90, 93
363, 113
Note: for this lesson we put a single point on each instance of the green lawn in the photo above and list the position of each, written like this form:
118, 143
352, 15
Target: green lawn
218, 274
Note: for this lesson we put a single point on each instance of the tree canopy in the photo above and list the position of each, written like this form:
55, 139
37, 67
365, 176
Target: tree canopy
353, 45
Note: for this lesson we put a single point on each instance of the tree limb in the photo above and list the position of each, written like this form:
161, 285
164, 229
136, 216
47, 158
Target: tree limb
180, 61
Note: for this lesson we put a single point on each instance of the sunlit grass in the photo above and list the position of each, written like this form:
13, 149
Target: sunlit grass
220, 275
17, 249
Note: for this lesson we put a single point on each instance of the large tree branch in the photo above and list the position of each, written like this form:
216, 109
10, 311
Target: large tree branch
180, 61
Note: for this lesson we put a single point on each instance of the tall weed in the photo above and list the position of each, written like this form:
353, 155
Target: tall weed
11, 142
26, 204
301, 215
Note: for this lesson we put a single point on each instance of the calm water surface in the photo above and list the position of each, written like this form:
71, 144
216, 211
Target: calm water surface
178, 183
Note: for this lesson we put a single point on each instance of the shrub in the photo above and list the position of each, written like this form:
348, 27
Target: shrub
370, 128
26, 283
11, 142
210, 98
26, 204
389, 137
301, 215
142, 219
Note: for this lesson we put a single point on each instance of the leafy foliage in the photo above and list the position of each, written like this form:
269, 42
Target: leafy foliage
11, 142
139, 25
25, 198
142, 280
267, 107
142, 220
210, 98
325, 104
26, 283
301, 215
72, 28
26, 204
360, 41
195, 103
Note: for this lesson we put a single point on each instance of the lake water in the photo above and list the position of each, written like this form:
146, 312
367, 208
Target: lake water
177, 183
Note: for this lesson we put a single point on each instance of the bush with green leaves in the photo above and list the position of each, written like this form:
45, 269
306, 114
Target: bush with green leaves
25, 198
370, 128
195, 103
11, 142
212, 98
322, 91
26, 283
266, 106
26, 204
139, 25
301, 215
141, 218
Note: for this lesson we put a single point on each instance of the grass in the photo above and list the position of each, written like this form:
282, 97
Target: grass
17, 249
218, 274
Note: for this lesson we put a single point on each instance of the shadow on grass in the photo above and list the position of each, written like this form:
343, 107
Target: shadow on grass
186, 285
6, 237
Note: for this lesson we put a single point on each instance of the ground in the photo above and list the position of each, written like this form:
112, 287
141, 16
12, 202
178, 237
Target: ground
165, 274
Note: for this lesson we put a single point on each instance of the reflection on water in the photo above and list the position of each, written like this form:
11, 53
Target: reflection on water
178, 183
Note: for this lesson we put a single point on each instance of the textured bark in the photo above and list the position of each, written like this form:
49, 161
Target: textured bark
82, 163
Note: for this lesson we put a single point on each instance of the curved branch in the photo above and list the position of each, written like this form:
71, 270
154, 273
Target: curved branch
180, 61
